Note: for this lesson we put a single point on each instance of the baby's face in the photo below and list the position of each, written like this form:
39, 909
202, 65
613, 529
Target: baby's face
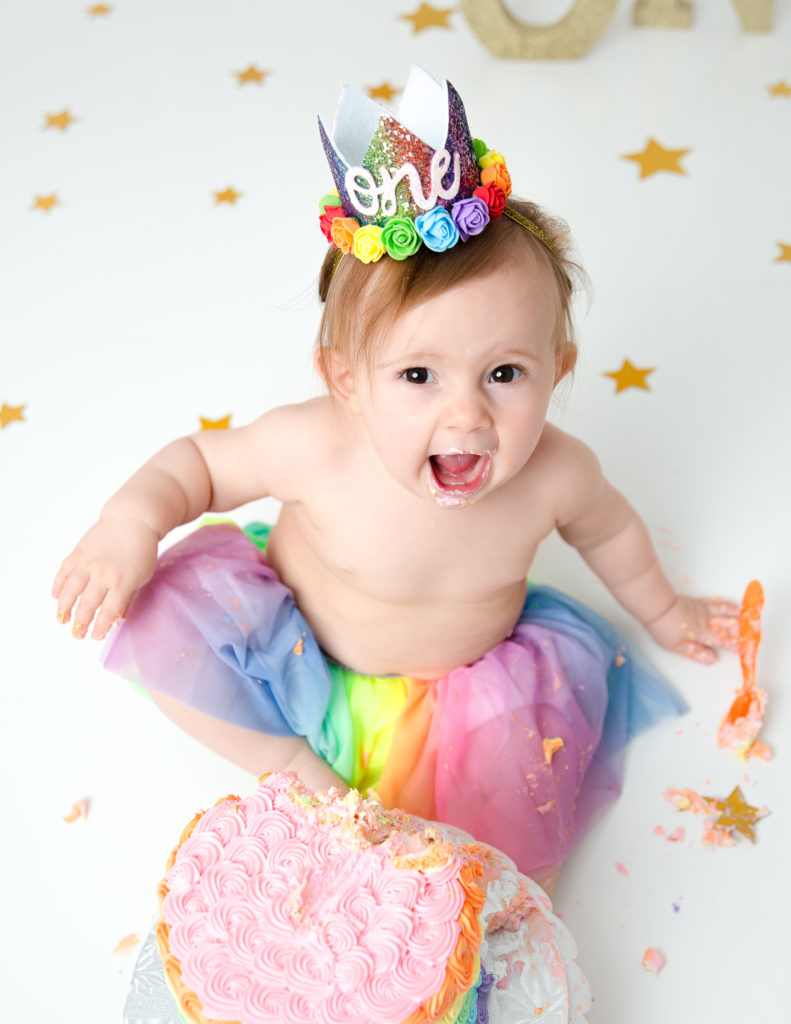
460, 387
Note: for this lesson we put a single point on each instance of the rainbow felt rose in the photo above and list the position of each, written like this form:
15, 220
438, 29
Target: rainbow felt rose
497, 174
400, 238
470, 216
367, 243
437, 229
494, 197
342, 233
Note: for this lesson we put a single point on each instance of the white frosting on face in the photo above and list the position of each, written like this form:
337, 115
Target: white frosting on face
275, 919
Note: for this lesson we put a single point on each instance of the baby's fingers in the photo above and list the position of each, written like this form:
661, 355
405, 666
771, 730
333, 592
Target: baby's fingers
92, 597
725, 633
723, 609
112, 609
698, 652
69, 588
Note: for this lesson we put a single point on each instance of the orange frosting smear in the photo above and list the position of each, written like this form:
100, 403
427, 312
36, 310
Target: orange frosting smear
462, 969
127, 944
78, 810
739, 729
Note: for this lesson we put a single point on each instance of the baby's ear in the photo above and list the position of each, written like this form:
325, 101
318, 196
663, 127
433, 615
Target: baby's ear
339, 377
565, 361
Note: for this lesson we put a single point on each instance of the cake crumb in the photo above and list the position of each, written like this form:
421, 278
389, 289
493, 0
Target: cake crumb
653, 961
79, 810
621, 868
551, 747
127, 944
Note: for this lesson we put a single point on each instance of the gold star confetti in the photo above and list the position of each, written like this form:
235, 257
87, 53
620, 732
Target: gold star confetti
62, 120
427, 16
10, 413
785, 253
228, 196
222, 424
45, 203
780, 88
252, 74
737, 815
99, 9
656, 158
385, 92
629, 377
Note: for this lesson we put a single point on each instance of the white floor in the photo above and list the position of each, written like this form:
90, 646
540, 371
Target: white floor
137, 305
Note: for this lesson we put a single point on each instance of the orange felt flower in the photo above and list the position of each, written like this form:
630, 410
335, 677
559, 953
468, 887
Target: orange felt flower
497, 174
342, 233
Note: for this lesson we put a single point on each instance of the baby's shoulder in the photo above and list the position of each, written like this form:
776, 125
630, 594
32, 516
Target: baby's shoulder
567, 467
311, 425
309, 435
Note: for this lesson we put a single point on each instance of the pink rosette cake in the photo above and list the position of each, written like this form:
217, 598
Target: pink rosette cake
289, 906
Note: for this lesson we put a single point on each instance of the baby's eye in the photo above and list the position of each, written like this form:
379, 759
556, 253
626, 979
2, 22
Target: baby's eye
504, 374
418, 375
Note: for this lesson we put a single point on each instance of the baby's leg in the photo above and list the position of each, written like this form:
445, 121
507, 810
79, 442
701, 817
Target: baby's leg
254, 751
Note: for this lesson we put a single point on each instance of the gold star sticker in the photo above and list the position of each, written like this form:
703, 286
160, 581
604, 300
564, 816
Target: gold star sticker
780, 88
228, 196
385, 92
656, 158
629, 377
785, 253
252, 74
62, 120
98, 9
9, 413
427, 16
45, 203
737, 814
222, 424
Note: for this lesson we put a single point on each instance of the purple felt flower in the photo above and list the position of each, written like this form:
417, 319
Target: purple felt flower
470, 216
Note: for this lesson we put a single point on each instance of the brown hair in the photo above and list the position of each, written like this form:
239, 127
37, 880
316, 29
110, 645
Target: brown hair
360, 299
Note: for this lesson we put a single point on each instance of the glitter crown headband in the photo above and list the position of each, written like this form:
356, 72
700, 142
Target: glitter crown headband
411, 180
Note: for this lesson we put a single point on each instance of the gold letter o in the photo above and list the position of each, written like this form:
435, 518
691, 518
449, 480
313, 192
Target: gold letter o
570, 37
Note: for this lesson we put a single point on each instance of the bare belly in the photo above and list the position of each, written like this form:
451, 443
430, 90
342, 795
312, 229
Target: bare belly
420, 636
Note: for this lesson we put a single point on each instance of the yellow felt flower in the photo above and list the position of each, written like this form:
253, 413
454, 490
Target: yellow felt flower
491, 157
367, 245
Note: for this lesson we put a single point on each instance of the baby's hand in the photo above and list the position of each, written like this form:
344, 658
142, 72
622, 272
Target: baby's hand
696, 626
106, 569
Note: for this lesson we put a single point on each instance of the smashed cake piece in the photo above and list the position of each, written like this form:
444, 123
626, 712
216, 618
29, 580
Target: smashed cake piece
725, 818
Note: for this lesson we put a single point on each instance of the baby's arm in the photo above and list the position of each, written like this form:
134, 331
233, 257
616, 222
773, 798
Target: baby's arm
212, 471
597, 520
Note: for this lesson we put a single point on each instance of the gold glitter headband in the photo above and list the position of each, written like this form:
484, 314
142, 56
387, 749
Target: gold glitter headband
534, 229
509, 211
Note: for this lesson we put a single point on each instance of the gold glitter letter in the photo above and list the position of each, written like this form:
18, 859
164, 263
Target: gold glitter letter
755, 15
506, 36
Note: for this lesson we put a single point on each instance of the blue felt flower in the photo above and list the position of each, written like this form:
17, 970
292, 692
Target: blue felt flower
437, 229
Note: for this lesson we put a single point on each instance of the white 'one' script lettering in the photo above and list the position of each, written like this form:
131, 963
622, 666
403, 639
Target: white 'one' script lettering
370, 199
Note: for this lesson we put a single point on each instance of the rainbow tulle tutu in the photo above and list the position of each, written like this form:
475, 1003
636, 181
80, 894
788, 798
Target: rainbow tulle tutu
216, 629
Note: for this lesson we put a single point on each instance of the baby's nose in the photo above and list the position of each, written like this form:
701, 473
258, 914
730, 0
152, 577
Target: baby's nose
466, 410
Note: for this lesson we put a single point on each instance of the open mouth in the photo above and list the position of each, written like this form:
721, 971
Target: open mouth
456, 477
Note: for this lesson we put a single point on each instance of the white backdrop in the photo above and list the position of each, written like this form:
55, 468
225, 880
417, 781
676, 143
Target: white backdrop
137, 304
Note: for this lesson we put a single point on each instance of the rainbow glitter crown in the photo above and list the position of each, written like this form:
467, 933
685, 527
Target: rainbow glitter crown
403, 181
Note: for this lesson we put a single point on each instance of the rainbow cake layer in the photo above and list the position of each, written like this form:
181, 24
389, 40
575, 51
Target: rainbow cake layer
289, 906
